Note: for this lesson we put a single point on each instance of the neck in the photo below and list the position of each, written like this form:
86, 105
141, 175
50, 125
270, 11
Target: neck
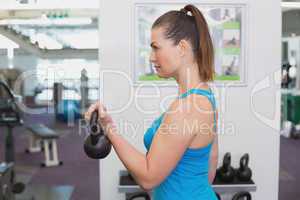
189, 78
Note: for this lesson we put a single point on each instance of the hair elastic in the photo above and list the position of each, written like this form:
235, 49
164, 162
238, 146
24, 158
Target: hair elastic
184, 11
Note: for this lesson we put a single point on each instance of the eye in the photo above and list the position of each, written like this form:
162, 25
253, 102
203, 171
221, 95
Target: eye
154, 47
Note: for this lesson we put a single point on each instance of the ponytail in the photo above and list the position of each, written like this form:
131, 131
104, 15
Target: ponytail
205, 51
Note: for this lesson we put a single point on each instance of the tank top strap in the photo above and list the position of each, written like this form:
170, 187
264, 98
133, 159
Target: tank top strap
210, 96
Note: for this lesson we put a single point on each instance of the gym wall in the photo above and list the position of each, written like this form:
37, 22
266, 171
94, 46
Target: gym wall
256, 125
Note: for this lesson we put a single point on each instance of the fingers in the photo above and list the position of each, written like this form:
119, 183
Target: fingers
101, 111
90, 110
96, 106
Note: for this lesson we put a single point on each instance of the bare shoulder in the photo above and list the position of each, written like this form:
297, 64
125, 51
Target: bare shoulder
189, 113
200, 118
198, 106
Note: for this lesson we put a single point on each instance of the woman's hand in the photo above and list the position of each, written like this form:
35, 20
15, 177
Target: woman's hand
105, 119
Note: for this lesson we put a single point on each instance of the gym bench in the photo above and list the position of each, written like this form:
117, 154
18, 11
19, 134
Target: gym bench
41, 135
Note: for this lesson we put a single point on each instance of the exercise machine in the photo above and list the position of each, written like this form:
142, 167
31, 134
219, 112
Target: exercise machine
10, 118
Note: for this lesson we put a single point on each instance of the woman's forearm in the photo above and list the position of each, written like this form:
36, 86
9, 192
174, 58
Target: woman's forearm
133, 160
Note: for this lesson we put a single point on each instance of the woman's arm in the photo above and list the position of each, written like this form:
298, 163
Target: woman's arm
167, 148
168, 145
213, 161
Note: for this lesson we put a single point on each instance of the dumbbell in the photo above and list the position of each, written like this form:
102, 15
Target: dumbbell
96, 145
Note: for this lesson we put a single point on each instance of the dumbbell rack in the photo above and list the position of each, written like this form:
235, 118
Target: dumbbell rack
128, 186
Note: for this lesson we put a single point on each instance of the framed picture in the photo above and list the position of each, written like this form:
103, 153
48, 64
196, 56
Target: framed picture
227, 24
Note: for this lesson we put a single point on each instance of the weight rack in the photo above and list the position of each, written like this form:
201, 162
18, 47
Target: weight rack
128, 186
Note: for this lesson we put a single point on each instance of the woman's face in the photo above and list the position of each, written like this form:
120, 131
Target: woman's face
165, 56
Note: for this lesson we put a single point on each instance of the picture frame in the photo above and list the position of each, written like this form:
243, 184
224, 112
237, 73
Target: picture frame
228, 27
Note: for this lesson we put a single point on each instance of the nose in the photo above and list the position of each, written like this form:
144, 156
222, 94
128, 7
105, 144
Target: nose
152, 58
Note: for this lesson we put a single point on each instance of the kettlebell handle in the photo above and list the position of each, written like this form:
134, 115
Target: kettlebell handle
95, 127
242, 195
244, 161
227, 160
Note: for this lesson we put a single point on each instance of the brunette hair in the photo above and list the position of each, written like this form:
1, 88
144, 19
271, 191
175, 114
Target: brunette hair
180, 25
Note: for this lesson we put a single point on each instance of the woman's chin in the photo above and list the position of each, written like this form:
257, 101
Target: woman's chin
161, 75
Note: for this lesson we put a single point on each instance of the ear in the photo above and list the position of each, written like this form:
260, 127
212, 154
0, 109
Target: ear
183, 46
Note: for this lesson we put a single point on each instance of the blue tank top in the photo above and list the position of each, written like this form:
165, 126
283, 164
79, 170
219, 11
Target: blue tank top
189, 179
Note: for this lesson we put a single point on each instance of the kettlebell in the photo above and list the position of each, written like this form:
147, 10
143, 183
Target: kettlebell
226, 172
139, 195
96, 145
244, 173
242, 196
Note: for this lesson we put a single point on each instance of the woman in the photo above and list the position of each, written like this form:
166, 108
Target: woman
182, 144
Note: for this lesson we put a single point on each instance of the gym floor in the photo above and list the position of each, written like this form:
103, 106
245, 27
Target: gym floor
289, 179
76, 179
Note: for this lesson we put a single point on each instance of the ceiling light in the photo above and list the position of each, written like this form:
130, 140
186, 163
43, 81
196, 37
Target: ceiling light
290, 5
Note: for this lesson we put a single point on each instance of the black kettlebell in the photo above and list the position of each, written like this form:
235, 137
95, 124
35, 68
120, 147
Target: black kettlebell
244, 173
242, 196
226, 172
96, 145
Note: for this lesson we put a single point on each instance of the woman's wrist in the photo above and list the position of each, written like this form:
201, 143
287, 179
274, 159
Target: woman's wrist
110, 130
